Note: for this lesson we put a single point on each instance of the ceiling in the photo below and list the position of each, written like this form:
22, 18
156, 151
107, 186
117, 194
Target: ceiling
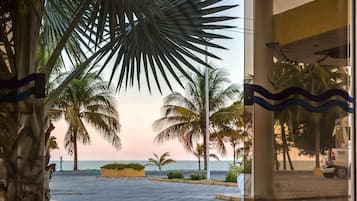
331, 47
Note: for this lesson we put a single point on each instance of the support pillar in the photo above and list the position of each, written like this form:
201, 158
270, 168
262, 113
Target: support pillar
263, 138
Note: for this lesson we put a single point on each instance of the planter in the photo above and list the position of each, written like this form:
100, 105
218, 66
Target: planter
244, 182
126, 172
122, 170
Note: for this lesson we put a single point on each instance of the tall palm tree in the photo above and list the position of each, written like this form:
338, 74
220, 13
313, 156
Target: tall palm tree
87, 100
139, 37
318, 79
160, 161
285, 75
316, 127
230, 127
199, 151
184, 115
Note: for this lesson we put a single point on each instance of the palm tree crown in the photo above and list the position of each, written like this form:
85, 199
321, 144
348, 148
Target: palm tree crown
87, 99
161, 161
230, 127
199, 151
184, 116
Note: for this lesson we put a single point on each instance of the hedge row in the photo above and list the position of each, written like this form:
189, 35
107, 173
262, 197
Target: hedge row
120, 166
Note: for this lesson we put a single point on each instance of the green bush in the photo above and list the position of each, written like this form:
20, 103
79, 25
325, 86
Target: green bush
120, 166
197, 176
231, 177
174, 175
245, 167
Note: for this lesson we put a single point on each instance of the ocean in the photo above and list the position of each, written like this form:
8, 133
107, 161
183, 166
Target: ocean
178, 165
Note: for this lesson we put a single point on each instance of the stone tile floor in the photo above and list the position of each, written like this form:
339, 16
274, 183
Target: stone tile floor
90, 187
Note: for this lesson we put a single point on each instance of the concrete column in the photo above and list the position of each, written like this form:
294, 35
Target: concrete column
263, 142
353, 63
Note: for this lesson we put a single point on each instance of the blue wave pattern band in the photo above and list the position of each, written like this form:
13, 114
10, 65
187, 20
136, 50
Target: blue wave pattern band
251, 99
298, 91
294, 101
17, 97
12, 84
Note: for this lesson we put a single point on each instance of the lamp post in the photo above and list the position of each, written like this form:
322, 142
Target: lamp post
208, 172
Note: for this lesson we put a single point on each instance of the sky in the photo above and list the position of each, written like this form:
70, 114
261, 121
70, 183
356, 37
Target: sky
139, 109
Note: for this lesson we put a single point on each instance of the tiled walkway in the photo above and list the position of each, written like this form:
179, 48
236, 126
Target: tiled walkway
89, 187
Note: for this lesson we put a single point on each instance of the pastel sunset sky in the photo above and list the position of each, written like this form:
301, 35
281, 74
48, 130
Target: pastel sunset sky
139, 109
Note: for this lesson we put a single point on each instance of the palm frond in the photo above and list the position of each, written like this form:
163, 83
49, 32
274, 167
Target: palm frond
214, 156
160, 33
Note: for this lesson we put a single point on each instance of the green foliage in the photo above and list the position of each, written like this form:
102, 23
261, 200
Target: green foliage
175, 175
245, 167
310, 132
231, 177
184, 114
199, 152
197, 176
87, 100
120, 166
160, 161
53, 143
232, 174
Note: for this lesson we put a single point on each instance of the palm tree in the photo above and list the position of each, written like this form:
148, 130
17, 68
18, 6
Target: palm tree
285, 75
161, 161
87, 99
230, 127
316, 127
318, 79
184, 116
199, 153
132, 37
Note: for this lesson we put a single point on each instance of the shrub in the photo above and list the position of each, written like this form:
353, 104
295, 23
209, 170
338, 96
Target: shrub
174, 175
231, 177
234, 171
245, 167
119, 166
197, 176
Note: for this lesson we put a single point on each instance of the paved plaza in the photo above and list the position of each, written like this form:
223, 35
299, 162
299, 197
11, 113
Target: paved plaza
88, 186
68, 186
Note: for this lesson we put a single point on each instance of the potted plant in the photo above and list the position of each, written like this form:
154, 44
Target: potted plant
244, 179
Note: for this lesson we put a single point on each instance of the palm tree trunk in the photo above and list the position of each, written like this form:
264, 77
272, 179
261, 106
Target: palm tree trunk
276, 154
286, 150
234, 153
289, 159
199, 163
25, 156
25, 159
204, 151
317, 146
75, 163
283, 137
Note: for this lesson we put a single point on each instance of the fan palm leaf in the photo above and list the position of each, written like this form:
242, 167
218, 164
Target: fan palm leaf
157, 37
